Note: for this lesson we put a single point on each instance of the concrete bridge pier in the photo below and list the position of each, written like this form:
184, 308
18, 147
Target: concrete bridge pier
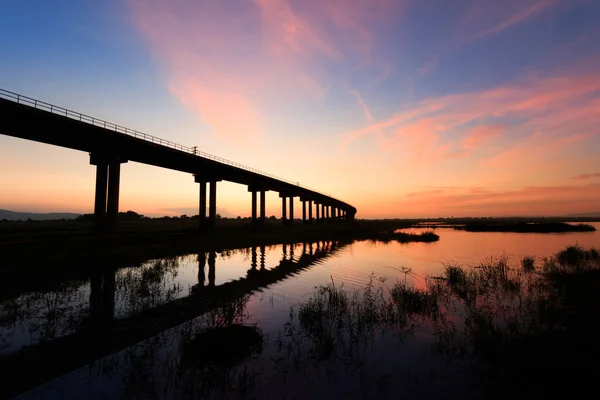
283, 208
291, 221
317, 213
101, 193
263, 207
106, 201
258, 219
203, 220
310, 211
304, 220
254, 208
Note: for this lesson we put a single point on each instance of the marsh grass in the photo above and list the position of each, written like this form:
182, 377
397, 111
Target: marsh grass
522, 330
387, 236
528, 264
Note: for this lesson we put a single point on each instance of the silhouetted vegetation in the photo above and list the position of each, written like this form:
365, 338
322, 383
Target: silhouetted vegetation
524, 331
526, 227
403, 237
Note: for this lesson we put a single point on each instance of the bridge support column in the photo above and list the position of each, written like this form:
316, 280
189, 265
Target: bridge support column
291, 210
202, 207
254, 207
212, 207
263, 207
323, 216
310, 211
112, 209
317, 213
101, 192
203, 221
106, 201
304, 211
258, 216
284, 209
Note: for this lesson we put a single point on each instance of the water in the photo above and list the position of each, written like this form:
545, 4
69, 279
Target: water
268, 281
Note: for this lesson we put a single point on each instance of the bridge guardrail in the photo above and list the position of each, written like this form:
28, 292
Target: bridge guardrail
41, 105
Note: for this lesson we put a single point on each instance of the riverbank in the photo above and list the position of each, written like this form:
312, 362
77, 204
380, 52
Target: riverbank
527, 227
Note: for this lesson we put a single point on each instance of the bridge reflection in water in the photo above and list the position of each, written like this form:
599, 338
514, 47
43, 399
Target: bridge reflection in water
103, 333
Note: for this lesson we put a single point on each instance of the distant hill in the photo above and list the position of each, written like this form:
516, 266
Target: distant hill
589, 214
15, 216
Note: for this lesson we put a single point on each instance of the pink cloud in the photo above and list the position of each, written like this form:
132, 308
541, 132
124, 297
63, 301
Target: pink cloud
230, 61
480, 134
562, 108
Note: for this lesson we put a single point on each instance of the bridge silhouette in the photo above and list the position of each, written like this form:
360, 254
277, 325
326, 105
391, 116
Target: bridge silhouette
111, 145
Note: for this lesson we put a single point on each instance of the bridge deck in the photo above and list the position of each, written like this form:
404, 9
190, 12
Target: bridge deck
45, 123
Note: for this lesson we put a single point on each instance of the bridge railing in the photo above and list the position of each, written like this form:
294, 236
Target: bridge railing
54, 109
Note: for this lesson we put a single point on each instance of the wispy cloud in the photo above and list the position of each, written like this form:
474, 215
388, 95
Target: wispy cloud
485, 18
583, 177
480, 201
229, 61
554, 111
522, 12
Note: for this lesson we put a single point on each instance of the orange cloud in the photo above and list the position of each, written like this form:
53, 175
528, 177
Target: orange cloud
231, 61
478, 201
587, 176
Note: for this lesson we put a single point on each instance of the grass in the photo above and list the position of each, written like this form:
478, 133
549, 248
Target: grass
387, 236
528, 264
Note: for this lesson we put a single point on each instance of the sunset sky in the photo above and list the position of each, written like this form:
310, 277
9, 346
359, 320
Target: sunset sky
407, 108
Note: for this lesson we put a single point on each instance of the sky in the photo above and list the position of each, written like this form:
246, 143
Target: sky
402, 108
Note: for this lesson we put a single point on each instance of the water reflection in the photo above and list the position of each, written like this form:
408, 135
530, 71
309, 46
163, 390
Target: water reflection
102, 295
151, 309
117, 308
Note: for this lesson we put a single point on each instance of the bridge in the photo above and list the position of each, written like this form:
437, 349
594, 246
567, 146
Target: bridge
111, 145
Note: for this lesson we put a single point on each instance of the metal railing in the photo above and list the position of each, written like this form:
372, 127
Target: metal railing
41, 105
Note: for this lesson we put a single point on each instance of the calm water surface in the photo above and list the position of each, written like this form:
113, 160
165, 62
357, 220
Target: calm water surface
153, 367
